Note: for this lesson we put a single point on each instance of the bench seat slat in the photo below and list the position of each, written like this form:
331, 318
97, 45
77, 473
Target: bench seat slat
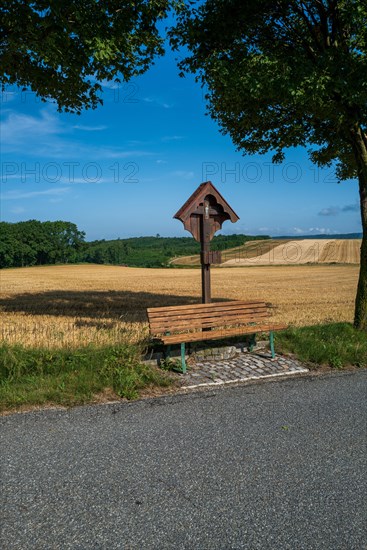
182, 324
178, 316
217, 334
156, 311
207, 315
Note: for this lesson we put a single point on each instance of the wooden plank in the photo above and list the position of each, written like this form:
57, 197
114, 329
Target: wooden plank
204, 316
164, 309
204, 313
218, 334
161, 329
207, 315
164, 326
210, 320
203, 307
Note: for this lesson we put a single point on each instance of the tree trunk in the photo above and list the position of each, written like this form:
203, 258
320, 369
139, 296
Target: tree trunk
360, 153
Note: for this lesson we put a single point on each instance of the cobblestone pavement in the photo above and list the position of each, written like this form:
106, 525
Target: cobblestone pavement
244, 366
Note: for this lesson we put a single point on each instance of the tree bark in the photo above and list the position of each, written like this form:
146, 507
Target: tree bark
360, 154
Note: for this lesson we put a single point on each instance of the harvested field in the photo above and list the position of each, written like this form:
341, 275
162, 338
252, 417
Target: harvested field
287, 252
69, 306
303, 251
251, 249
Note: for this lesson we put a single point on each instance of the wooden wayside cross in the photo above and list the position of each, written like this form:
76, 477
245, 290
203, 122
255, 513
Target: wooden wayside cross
203, 214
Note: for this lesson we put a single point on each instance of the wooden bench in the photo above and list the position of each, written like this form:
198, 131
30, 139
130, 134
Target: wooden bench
199, 322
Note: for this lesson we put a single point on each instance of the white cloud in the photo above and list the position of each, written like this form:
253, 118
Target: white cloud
351, 208
19, 128
45, 136
331, 211
17, 210
107, 83
183, 174
89, 128
111, 153
17, 194
159, 102
336, 210
37, 135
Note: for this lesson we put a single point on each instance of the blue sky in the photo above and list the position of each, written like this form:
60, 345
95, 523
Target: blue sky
124, 169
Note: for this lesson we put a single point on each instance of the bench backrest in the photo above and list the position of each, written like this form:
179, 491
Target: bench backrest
171, 319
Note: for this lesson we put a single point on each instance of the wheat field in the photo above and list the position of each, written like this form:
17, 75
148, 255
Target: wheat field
303, 251
73, 306
286, 252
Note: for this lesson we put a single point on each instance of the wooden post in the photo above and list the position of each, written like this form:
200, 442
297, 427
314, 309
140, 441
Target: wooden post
205, 260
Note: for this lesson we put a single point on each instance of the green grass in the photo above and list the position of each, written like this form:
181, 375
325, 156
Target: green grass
336, 345
71, 377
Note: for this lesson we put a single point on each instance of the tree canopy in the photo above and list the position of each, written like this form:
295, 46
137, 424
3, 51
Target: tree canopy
285, 73
38, 243
64, 49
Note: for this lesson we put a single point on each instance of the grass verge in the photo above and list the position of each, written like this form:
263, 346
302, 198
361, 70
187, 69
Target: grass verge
336, 345
71, 377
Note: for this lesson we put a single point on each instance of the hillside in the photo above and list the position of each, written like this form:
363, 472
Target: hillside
33, 242
286, 251
154, 251
24, 244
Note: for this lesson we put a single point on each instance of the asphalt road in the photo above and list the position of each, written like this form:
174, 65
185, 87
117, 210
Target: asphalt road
270, 466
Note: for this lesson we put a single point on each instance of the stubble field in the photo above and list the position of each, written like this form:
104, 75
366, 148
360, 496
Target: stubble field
286, 252
73, 306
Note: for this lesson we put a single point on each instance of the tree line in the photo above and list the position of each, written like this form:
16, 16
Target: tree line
32, 242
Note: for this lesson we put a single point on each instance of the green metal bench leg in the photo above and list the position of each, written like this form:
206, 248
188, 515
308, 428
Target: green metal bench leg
252, 343
272, 345
183, 362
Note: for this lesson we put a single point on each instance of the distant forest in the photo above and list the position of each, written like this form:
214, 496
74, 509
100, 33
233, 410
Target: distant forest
33, 242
